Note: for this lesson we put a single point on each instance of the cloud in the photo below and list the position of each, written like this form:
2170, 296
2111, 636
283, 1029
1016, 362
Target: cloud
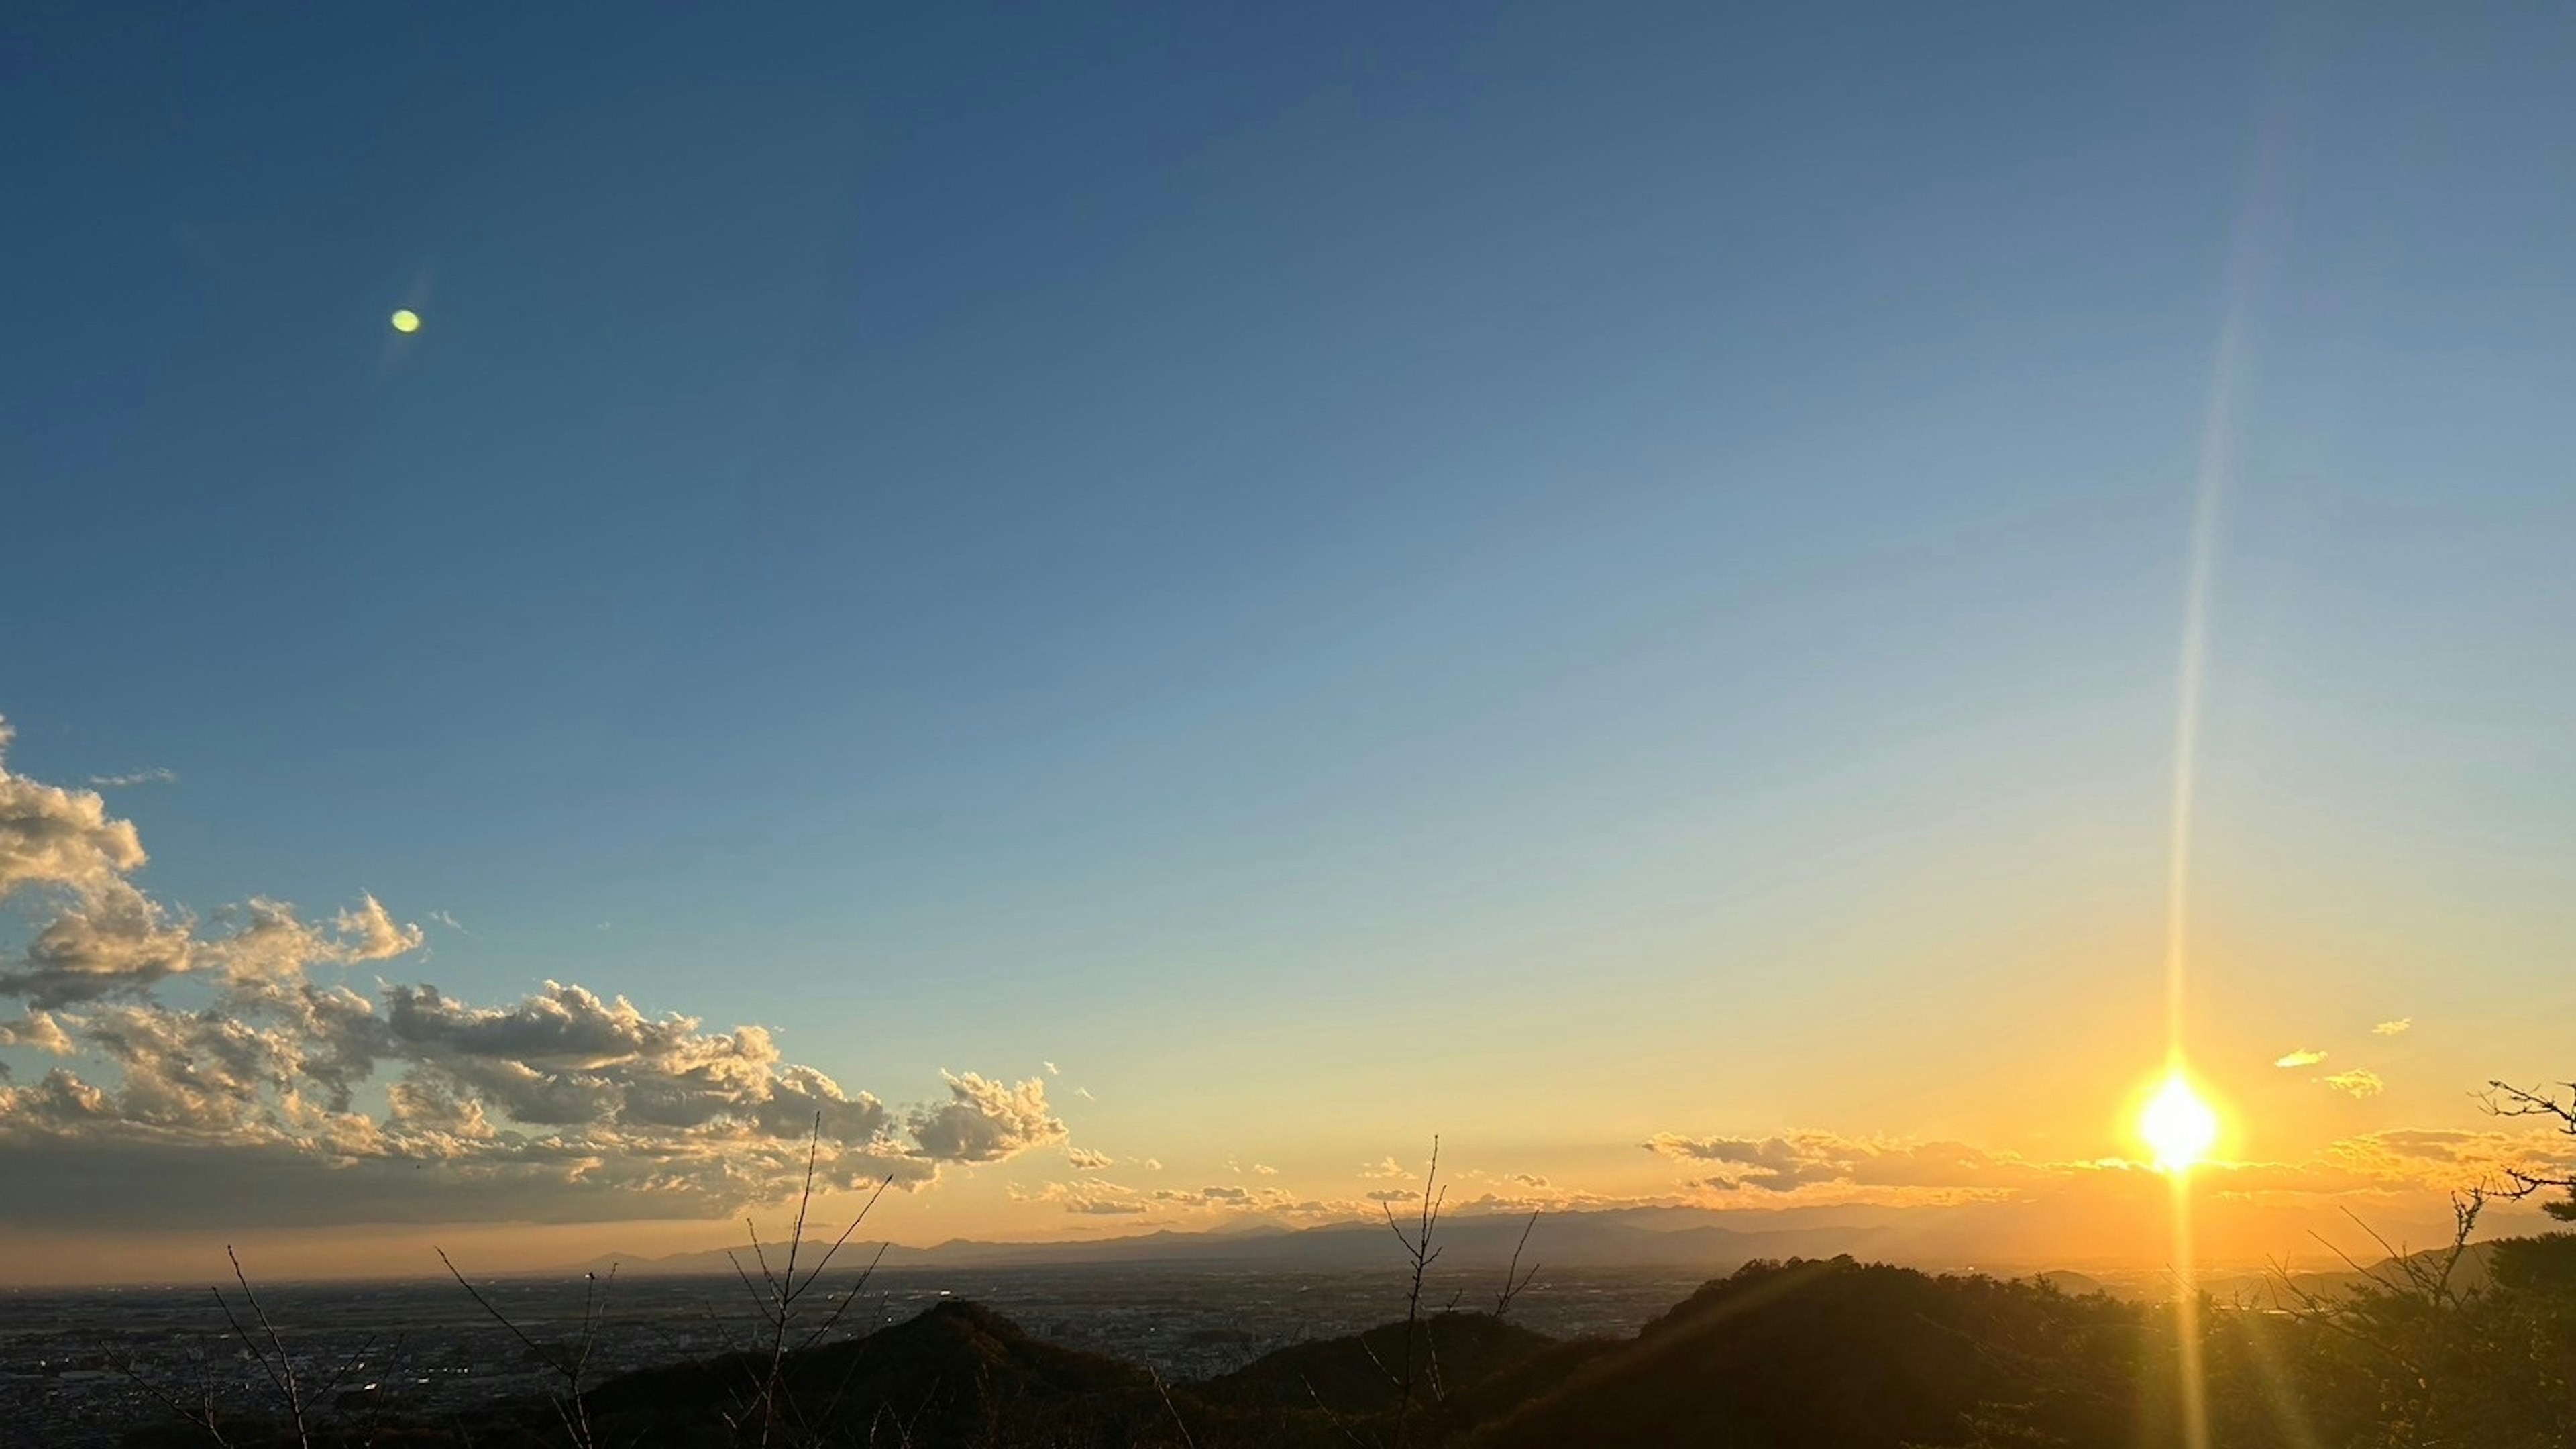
36, 1029
448, 919
986, 1121
50, 836
2446, 1160
244, 1104
134, 777
1393, 1194
2396, 1027
1091, 1197
1385, 1167
1086, 1160
2356, 1084
1896, 1170
1530, 1180
1085, 1094
2303, 1057
104, 936
1264, 1169
1221, 1196
1820, 1167
1051, 1069
1153, 1164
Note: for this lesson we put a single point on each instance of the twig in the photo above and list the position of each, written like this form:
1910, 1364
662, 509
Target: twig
282, 1374
569, 1407
781, 1290
1514, 1280
1171, 1408
1417, 1249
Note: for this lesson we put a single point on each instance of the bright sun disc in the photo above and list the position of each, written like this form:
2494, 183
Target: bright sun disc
406, 320
2178, 1125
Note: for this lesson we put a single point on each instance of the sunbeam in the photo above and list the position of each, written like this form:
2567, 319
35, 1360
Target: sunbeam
2180, 1125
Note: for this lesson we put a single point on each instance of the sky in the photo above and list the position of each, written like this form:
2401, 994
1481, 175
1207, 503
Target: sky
1144, 607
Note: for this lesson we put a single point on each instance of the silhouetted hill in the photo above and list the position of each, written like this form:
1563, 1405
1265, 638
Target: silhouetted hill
1823, 1355
2073, 1285
956, 1375
1350, 1376
1817, 1354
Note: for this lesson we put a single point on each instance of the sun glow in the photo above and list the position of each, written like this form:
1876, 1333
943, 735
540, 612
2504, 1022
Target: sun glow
2178, 1125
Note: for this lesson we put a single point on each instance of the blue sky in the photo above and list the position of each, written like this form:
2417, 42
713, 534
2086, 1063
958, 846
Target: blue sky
1642, 545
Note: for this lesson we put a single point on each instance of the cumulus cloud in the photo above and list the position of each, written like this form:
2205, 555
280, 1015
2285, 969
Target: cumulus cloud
1385, 1167
104, 937
1393, 1194
36, 1029
2303, 1057
985, 1121
2396, 1027
1086, 1160
2356, 1083
246, 1103
50, 836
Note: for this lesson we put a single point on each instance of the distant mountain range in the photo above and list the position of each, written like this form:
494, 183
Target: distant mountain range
1683, 1238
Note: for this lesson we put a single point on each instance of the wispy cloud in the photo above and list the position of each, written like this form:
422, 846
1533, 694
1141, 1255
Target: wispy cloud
1091, 1196
1051, 1069
2356, 1083
2303, 1057
134, 777
2396, 1027
1385, 1167
1086, 1160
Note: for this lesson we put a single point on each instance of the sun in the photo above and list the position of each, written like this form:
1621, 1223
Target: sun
2178, 1125
406, 320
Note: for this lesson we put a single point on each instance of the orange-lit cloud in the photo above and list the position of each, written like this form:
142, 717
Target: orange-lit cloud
1089, 1196
1796, 1160
1822, 1166
2303, 1057
2394, 1027
2356, 1083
